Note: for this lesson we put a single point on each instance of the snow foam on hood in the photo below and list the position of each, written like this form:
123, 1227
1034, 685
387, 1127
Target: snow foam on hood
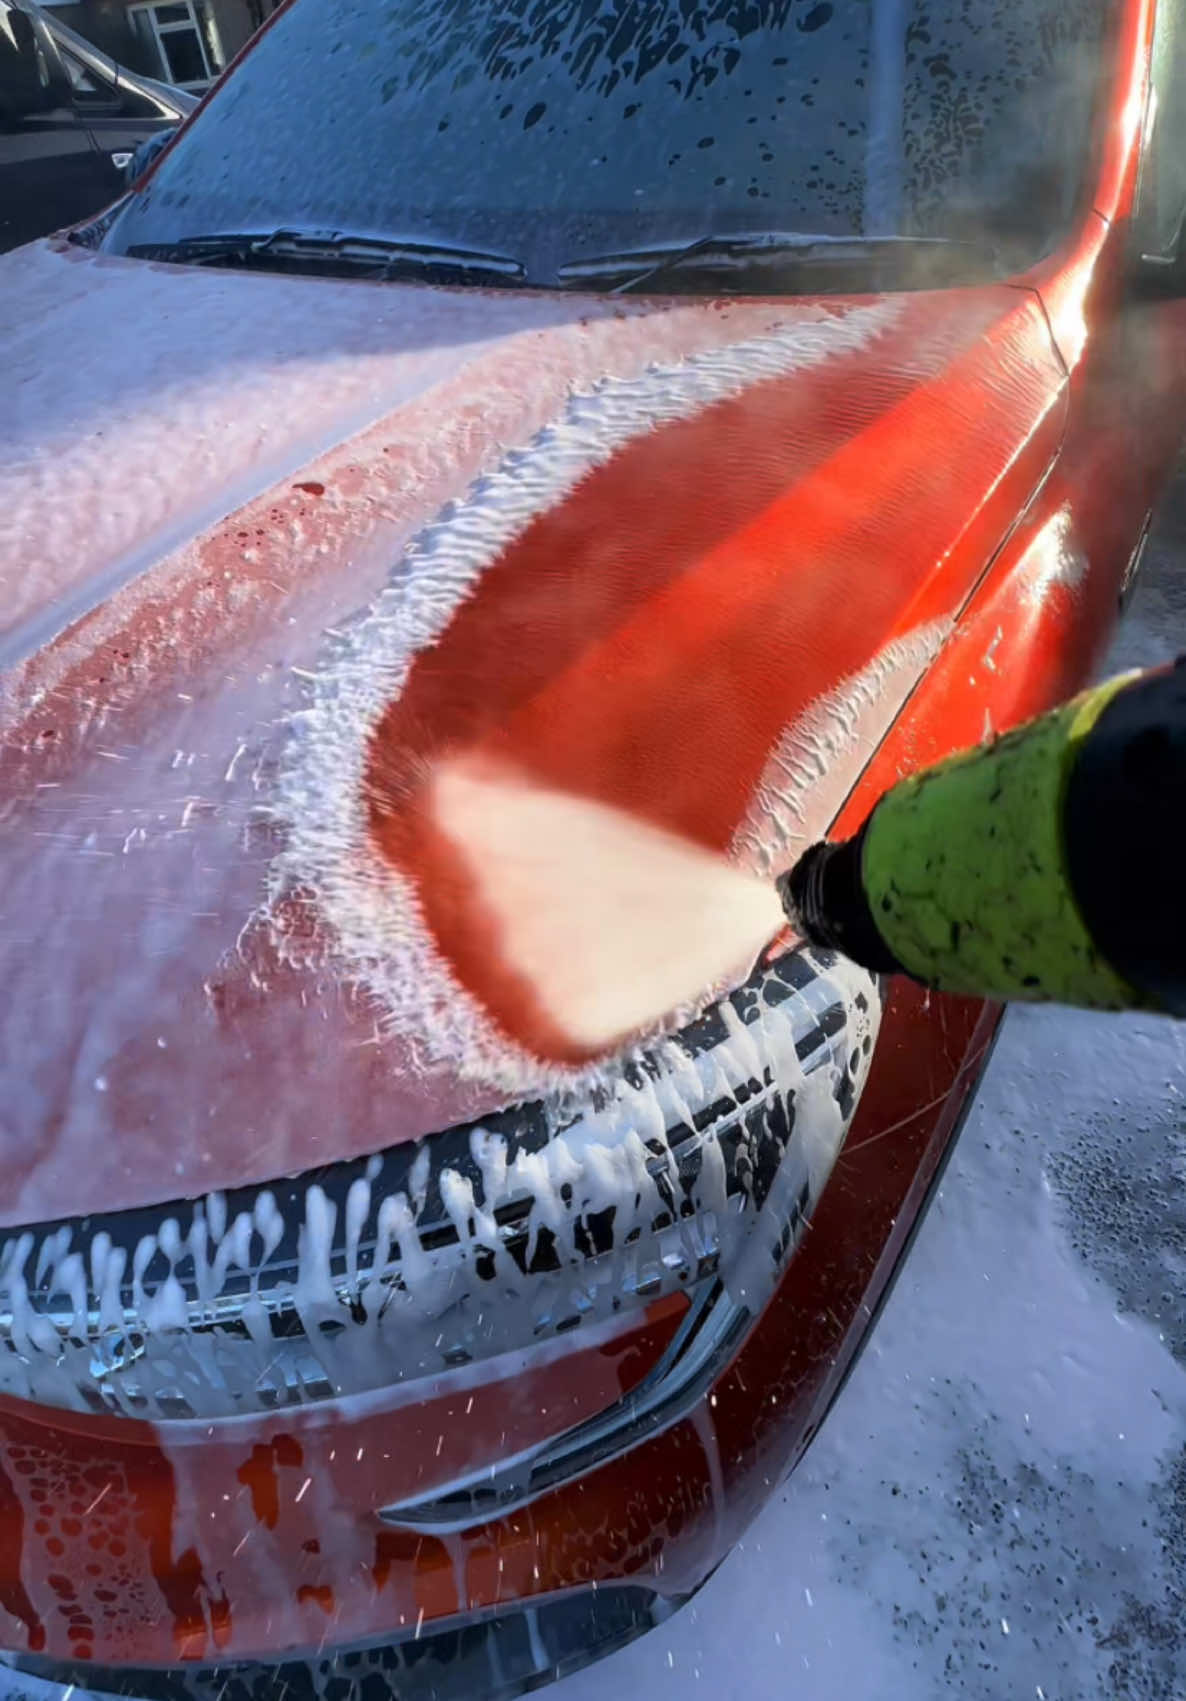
142, 403
380, 937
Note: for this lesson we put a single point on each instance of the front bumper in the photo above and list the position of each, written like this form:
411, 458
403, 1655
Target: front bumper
189, 1546
643, 1530
492, 1656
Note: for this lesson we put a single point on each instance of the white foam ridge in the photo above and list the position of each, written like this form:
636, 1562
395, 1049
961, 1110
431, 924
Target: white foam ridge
813, 766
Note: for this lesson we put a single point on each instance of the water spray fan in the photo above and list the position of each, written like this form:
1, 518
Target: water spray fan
1001, 873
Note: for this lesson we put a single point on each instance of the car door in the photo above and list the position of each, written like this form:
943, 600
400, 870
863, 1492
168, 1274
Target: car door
118, 113
51, 173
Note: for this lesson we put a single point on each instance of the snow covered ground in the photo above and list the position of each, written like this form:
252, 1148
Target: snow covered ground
996, 1507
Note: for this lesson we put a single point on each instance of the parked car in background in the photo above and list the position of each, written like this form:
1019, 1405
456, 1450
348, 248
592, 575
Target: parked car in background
70, 122
719, 410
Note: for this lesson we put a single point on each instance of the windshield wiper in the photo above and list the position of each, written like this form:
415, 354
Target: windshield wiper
782, 261
326, 251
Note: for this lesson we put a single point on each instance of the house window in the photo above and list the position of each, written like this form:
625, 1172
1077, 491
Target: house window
171, 29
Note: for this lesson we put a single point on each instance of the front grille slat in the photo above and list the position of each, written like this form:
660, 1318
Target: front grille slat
377, 1270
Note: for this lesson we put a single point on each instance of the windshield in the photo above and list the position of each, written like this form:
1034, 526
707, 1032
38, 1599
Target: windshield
554, 131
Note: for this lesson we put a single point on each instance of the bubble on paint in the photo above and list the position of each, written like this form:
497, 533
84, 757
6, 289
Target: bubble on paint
85, 1567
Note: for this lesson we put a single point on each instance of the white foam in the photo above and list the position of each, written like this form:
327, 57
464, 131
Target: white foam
811, 770
411, 1305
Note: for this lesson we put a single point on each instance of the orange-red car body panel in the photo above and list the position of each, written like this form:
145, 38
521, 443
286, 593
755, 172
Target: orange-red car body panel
982, 468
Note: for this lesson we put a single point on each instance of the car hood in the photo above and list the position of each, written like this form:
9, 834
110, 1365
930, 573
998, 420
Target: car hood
688, 556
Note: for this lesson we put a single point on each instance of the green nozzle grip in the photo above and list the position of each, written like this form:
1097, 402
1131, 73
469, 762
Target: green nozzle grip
965, 872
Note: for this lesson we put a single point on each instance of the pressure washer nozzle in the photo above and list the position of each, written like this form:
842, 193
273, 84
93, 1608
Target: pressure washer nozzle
825, 902
1045, 865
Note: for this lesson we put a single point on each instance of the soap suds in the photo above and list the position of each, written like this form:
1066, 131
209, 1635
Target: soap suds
702, 1158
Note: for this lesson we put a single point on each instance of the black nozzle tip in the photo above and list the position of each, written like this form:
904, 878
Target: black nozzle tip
824, 899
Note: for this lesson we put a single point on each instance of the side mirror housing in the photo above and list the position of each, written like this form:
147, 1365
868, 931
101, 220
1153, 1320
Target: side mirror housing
1158, 272
1157, 238
145, 153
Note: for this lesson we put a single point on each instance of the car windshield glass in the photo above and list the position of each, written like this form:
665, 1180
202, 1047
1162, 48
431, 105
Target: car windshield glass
560, 130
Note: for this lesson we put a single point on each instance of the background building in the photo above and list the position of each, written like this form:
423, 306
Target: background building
187, 42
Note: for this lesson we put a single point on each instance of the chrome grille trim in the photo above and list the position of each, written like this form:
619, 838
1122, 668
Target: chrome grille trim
708, 1338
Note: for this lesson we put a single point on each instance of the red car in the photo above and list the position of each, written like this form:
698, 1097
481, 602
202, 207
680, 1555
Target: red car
729, 408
